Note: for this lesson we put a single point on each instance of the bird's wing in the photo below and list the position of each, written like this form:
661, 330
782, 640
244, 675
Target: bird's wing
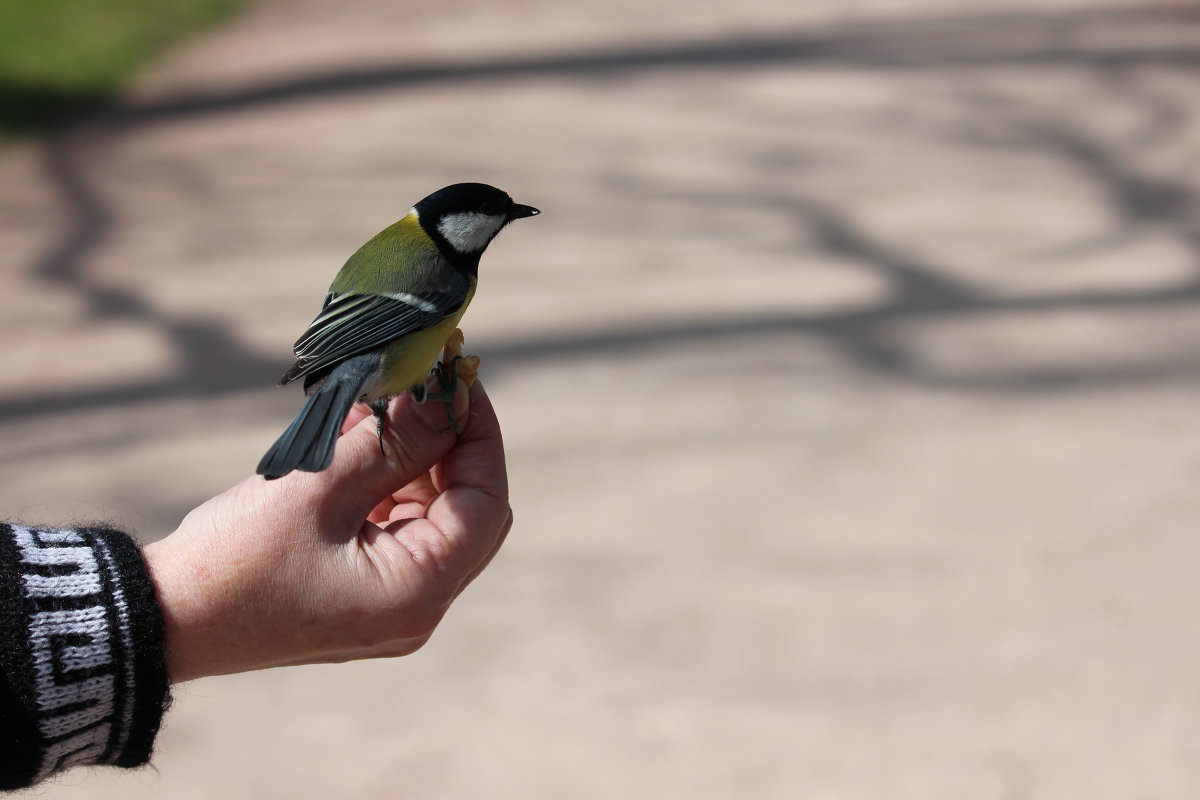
350, 324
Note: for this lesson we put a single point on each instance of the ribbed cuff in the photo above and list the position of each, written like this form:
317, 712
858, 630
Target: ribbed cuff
83, 679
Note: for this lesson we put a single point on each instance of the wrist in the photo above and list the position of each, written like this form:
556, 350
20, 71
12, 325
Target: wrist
189, 620
213, 622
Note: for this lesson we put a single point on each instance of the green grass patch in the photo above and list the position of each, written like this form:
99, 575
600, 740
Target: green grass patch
61, 57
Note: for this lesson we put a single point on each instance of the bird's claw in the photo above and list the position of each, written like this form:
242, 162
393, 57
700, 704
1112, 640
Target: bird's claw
447, 377
379, 409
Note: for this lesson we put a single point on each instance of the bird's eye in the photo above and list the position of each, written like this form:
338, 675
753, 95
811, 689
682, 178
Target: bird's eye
492, 207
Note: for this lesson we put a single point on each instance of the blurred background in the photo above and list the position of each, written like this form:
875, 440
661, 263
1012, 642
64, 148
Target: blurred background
849, 379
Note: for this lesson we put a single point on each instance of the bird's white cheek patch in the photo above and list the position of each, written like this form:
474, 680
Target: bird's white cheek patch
469, 231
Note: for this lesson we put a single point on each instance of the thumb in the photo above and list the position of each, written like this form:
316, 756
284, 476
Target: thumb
415, 437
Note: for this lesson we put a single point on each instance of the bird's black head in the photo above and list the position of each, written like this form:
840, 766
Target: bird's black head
465, 217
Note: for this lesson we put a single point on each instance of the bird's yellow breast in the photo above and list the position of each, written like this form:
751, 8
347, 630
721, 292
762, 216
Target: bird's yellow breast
407, 361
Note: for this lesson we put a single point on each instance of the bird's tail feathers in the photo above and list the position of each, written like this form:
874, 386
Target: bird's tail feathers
309, 441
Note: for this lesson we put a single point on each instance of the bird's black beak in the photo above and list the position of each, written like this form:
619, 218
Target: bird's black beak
519, 211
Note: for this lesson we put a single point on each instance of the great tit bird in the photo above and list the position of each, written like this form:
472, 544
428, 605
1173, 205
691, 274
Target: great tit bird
386, 318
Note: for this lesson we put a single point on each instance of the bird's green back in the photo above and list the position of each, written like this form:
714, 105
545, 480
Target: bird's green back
399, 258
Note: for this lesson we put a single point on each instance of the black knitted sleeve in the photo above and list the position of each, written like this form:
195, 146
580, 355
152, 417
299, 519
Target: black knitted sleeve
82, 672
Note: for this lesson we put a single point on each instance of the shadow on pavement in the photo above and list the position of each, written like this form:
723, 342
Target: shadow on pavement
210, 362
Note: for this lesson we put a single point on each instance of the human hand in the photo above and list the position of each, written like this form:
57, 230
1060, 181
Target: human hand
360, 560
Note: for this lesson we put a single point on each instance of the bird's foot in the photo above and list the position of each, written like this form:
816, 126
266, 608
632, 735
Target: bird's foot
447, 378
379, 409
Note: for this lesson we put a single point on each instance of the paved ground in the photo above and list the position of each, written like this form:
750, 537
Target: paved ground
850, 380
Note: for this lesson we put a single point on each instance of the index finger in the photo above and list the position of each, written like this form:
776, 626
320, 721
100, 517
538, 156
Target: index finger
472, 508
